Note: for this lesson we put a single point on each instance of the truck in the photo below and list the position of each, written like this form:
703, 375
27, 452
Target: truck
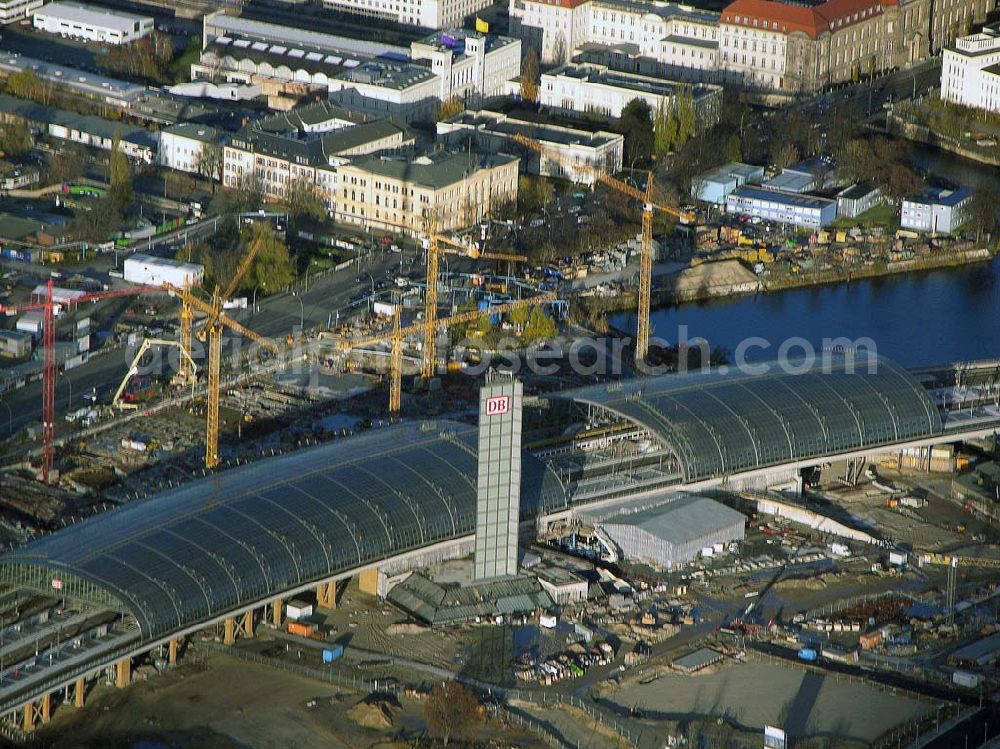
808, 654
332, 653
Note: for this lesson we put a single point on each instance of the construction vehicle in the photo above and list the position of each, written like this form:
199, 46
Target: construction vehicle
646, 253
49, 366
119, 400
399, 333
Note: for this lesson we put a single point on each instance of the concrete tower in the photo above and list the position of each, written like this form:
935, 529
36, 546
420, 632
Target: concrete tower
498, 501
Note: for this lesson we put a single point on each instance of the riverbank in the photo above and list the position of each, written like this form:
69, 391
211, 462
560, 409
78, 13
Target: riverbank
925, 135
703, 283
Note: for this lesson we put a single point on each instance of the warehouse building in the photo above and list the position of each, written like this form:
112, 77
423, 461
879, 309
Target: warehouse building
151, 270
91, 23
782, 207
671, 535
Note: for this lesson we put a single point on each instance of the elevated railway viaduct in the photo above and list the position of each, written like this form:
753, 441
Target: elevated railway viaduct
227, 550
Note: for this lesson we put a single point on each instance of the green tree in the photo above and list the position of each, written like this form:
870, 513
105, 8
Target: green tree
14, 140
664, 129
303, 200
451, 711
120, 176
449, 108
530, 76
733, 150
272, 267
539, 327
687, 116
636, 124
520, 315
24, 84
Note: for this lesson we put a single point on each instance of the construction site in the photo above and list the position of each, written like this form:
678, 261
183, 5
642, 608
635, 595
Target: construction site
233, 526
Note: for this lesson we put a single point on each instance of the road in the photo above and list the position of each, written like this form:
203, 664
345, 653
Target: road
314, 304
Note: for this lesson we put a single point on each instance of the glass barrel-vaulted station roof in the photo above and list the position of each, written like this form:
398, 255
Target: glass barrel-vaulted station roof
196, 552
720, 424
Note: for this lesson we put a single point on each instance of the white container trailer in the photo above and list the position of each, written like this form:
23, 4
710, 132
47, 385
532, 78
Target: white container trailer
966, 679
897, 558
154, 271
298, 609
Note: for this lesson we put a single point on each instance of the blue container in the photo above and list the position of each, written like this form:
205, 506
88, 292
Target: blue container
333, 653
807, 654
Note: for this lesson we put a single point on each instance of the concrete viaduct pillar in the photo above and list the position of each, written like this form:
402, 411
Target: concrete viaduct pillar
326, 595
372, 582
123, 673
173, 648
78, 692
276, 612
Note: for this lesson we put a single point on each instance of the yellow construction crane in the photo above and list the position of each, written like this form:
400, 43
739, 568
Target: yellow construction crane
217, 320
399, 333
432, 245
646, 253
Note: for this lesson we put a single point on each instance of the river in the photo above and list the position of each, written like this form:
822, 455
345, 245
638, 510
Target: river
917, 319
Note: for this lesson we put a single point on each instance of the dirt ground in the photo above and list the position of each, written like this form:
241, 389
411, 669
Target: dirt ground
217, 702
806, 703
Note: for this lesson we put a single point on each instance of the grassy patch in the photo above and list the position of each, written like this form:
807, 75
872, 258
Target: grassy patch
180, 68
884, 215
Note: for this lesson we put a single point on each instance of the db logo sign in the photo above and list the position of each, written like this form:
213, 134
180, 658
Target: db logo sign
498, 405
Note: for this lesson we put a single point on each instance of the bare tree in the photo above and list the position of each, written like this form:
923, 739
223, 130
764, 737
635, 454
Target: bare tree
451, 711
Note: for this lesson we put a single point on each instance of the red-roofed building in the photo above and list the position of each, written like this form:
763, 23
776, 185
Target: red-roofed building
780, 47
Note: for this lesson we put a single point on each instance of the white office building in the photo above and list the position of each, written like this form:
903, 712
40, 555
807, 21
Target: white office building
431, 14
782, 207
15, 10
181, 147
970, 71
678, 38
595, 89
581, 154
936, 211
91, 23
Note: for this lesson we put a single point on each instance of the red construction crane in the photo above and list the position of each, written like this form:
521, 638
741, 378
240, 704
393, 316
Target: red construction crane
49, 353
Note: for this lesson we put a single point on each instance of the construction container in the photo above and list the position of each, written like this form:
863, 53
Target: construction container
897, 558
548, 621
15, 344
332, 653
298, 609
31, 323
807, 654
300, 629
966, 679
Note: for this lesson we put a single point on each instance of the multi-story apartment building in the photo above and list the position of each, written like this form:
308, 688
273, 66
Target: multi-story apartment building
182, 145
13, 10
582, 154
970, 72
277, 160
450, 190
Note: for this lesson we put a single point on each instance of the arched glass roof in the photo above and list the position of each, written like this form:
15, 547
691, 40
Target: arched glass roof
193, 553
719, 424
